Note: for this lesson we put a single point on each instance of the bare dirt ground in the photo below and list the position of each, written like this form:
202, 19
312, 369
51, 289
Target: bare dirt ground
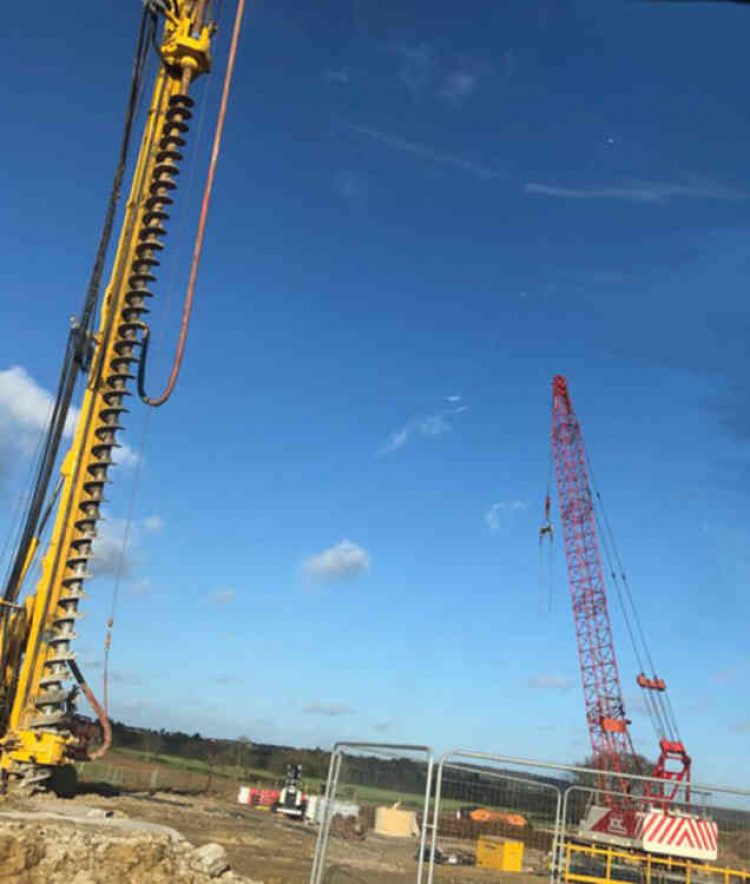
135, 838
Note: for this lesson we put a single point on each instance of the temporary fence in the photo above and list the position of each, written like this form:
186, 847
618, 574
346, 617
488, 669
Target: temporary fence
490, 811
584, 836
152, 777
519, 815
373, 814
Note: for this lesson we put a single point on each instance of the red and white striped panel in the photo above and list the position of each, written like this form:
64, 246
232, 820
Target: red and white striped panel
684, 836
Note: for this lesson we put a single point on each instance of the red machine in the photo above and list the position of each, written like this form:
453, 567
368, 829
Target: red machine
651, 821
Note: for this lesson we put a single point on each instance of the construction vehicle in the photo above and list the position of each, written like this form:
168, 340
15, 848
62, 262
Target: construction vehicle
292, 800
661, 819
41, 735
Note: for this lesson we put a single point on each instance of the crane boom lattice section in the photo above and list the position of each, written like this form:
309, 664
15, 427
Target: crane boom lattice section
605, 711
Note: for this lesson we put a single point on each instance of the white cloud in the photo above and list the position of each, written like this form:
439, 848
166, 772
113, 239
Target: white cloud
330, 711
154, 524
494, 515
112, 550
458, 86
25, 410
549, 683
222, 596
116, 549
430, 425
342, 561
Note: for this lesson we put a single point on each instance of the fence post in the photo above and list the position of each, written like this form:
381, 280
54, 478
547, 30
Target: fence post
435, 819
425, 819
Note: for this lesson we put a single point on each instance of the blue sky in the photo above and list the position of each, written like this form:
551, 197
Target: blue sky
418, 219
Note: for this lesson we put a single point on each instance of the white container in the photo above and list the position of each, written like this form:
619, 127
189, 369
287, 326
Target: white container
243, 796
316, 809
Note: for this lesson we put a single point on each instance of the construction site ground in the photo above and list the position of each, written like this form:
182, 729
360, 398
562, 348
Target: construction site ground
260, 846
139, 834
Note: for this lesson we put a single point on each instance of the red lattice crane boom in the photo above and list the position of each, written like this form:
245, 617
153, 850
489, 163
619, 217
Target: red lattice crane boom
605, 710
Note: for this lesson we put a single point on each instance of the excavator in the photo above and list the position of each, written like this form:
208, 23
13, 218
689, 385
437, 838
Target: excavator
41, 733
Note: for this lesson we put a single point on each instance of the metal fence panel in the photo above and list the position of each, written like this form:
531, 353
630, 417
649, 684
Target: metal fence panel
389, 787
488, 811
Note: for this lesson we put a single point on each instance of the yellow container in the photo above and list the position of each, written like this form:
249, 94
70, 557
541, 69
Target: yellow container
500, 854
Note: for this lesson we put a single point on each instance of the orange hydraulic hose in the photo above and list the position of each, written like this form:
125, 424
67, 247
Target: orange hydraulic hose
188, 305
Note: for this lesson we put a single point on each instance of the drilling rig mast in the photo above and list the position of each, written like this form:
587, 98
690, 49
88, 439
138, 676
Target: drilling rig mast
40, 733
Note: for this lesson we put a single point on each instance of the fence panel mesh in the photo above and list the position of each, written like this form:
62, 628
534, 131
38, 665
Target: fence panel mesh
495, 816
372, 816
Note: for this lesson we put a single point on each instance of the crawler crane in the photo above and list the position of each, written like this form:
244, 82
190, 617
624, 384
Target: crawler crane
654, 821
41, 735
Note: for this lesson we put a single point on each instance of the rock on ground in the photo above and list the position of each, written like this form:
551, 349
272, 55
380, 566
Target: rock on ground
210, 859
61, 853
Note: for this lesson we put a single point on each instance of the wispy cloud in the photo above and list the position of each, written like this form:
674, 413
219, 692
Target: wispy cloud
338, 76
633, 191
222, 596
125, 676
416, 65
226, 679
425, 152
641, 191
549, 683
382, 727
344, 560
351, 185
328, 710
494, 515
458, 86
430, 425
728, 673
140, 588
154, 524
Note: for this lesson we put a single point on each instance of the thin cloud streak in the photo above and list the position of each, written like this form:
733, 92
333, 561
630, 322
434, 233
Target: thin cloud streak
646, 192
640, 191
549, 683
328, 711
426, 152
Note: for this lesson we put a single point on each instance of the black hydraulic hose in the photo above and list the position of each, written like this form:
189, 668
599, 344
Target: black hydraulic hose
147, 28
